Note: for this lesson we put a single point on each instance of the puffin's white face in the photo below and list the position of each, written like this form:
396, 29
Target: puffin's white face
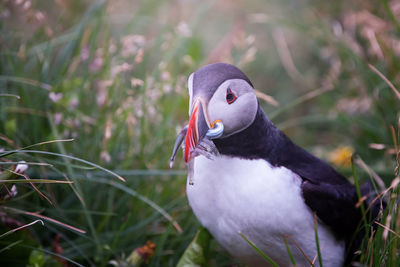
234, 103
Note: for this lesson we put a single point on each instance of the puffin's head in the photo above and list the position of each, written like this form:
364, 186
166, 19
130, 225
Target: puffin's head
222, 103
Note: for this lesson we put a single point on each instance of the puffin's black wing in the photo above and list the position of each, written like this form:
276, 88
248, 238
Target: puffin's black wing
329, 194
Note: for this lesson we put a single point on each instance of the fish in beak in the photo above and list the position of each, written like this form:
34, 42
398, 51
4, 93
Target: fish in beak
198, 129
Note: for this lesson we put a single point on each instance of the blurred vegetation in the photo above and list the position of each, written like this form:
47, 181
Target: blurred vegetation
108, 80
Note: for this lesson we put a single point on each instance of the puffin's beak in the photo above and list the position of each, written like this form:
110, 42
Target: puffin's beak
197, 129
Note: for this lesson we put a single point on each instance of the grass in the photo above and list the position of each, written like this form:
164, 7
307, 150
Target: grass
109, 78
262, 254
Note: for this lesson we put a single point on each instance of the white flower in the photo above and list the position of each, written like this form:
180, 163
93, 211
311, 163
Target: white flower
13, 191
165, 75
136, 82
73, 103
39, 16
85, 52
96, 64
27, 5
21, 167
55, 97
105, 156
58, 117
131, 44
183, 29
124, 67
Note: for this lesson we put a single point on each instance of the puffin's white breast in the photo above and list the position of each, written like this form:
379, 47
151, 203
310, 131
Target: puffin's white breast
230, 194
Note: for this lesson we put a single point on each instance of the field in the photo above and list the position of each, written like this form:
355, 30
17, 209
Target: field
93, 94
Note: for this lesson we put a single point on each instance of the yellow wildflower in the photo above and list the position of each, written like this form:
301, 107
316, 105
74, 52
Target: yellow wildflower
341, 156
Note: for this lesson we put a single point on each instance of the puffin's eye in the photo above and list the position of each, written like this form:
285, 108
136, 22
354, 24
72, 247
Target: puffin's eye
230, 96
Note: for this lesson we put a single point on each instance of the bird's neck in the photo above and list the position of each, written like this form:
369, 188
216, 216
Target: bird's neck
259, 140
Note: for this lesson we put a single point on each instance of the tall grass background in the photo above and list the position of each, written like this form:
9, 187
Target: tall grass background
94, 92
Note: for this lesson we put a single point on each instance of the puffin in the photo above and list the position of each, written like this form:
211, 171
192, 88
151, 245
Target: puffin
246, 178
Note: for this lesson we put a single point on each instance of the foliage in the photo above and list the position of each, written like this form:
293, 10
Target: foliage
99, 87
197, 252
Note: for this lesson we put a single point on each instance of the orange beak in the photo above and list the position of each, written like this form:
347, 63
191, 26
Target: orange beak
196, 131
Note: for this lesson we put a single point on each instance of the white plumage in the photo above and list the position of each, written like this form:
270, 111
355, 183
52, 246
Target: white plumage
264, 203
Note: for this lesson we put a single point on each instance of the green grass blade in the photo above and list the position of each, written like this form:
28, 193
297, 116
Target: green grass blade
34, 145
9, 246
10, 95
358, 191
65, 156
54, 254
76, 188
196, 254
21, 227
268, 259
142, 198
27, 163
41, 181
392, 16
317, 240
23, 80
289, 252
64, 225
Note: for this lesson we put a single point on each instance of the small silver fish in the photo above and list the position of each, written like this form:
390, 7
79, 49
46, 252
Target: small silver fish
205, 147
